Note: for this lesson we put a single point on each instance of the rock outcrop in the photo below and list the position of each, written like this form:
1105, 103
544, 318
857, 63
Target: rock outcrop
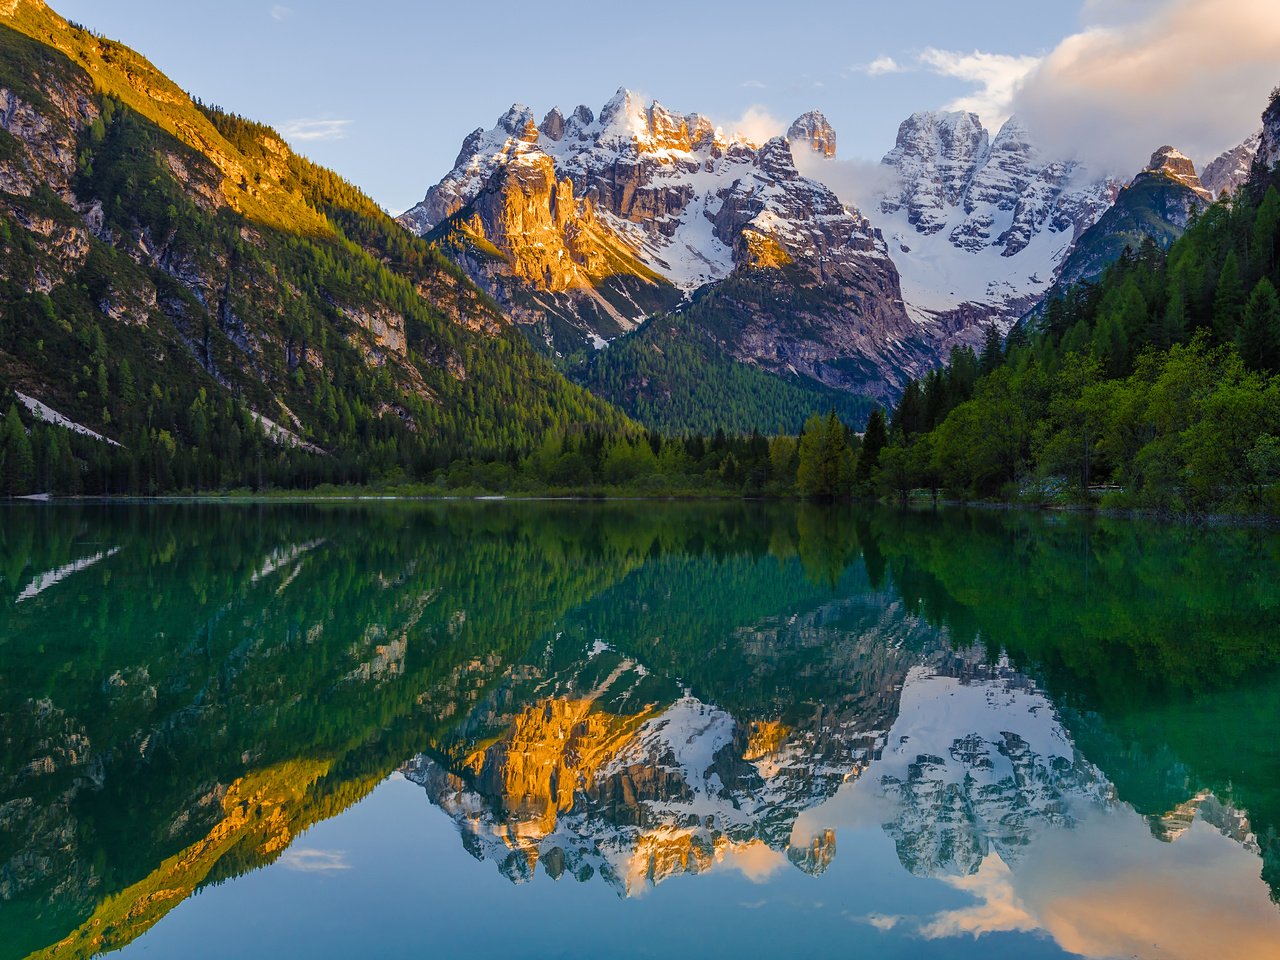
1177, 166
812, 129
1156, 205
1225, 174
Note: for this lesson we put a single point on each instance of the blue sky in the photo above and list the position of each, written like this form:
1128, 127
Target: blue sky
385, 91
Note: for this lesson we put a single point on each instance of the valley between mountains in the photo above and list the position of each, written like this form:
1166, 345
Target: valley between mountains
187, 304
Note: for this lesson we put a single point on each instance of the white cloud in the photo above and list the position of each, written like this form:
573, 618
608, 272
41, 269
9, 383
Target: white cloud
882, 921
1142, 73
858, 183
281, 13
752, 84
307, 860
880, 66
306, 131
997, 75
998, 907
756, 125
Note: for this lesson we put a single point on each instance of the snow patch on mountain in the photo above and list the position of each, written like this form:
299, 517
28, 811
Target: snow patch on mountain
42, 411
978, 223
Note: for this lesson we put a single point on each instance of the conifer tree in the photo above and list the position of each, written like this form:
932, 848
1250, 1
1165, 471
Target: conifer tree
1259, 336
17, 472
874, 441
1228, 300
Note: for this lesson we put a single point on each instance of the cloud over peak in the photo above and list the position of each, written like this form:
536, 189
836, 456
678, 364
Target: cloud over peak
1194, 73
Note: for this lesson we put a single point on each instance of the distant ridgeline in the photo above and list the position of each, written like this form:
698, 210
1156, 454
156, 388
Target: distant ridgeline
224, 677
1159, 380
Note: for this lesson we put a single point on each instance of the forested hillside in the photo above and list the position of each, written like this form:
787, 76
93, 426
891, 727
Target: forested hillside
1157, 384
207, 309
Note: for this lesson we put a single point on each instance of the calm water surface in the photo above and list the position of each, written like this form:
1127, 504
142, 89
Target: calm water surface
568, 730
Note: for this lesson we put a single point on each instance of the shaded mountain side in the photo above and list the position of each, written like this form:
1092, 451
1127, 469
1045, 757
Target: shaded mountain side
674, 375
171, 272
1155, 205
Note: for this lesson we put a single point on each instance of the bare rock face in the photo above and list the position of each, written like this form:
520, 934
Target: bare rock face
814, 130
1224, 175
553, 125
1268, 155
1177, 166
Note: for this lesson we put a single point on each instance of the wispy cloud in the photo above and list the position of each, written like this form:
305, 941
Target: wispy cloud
880, 66
281, 13
308, 860
881, 921
757, 125
752, 84
306, 131
998, 77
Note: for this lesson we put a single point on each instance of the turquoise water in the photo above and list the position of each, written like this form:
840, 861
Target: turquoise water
634, 730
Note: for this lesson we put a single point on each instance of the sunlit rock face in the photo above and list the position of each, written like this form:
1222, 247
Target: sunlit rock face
813, 130
1177, 166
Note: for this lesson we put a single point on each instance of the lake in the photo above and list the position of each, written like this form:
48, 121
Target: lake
634, 730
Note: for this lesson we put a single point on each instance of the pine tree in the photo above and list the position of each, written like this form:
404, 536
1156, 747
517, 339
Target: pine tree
1266, 224
992, 350
874, 441
1174, 321
17, 471
1259, 336
1228, 300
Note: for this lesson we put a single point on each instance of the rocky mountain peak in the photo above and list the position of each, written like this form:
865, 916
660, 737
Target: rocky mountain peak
1224, 175
552, 126
775, 159
1268, 154
516, 120
813, 129
624, 118
1172, 163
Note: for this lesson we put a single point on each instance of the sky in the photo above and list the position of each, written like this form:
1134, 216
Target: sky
385, 91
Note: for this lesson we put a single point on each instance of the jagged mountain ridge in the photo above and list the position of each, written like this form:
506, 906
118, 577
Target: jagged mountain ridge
1225, 174
694, 206
979, 226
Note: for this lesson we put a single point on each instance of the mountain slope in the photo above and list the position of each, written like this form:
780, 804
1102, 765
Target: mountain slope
1157, 204
172, 272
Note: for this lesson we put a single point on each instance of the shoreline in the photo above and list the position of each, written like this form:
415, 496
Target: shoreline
917, 505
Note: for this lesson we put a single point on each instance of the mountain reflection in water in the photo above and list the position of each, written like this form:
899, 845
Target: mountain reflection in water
1065, 725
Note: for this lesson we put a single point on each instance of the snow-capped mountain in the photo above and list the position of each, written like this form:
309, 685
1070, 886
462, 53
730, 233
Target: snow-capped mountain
604, 220
978, 227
